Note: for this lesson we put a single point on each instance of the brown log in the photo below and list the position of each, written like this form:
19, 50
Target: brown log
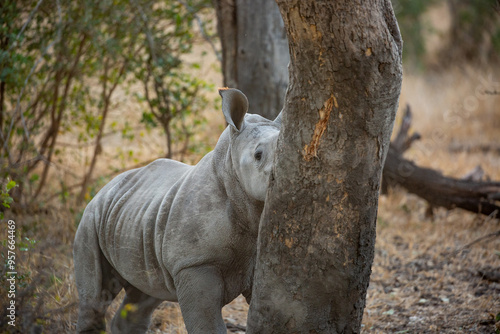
402, 142
437, 189
473, 148
477, 174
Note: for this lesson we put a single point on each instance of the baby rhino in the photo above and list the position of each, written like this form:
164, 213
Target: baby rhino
169, 231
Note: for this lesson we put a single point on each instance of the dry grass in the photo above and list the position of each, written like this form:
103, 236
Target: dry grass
423, 280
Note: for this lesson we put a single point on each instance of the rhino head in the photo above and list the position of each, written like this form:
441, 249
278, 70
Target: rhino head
253, 143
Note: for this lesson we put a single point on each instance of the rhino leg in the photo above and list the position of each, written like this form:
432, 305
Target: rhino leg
200, 291
96, 285
135, 317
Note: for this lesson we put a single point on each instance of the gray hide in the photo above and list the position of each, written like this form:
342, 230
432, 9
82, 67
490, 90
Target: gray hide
169, 231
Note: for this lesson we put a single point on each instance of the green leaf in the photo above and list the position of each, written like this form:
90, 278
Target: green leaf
10, 185
34, 178
148, 119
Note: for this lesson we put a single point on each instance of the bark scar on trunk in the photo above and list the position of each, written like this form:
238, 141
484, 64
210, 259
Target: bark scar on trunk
311, 150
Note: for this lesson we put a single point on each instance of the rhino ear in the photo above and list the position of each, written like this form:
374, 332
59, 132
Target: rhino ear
278, 118
234, 106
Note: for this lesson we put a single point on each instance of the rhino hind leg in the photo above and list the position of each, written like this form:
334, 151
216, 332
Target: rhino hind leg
200, 292
134, 314
95, 282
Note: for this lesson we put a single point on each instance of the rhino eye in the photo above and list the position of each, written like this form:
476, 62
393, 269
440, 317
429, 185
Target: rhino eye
258, 155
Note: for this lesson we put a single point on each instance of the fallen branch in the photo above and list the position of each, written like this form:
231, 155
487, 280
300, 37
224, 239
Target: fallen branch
489, 274
483, 238
437, 189
472, 148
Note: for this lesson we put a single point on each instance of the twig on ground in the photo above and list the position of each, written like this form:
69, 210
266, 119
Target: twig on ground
483, 238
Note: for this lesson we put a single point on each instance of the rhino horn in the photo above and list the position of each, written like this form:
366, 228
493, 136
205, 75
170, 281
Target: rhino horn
234, 106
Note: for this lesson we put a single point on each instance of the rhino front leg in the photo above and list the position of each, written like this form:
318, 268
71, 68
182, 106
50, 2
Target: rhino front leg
136, 319
200, 291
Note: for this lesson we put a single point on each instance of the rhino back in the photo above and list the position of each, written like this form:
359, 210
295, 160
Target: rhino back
130, 215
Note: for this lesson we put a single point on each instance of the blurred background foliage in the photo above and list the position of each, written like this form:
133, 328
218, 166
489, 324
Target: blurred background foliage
61, 64
473, 36
65, 68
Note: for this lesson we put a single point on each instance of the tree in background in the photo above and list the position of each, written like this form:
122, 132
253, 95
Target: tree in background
474, 35
475, 32
254, 52
409, 15
61, 63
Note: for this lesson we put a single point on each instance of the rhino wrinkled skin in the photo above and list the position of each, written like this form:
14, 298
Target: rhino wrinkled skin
170, 231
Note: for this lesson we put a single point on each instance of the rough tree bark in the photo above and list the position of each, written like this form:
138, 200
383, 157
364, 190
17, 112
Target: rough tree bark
254, 52
317, 233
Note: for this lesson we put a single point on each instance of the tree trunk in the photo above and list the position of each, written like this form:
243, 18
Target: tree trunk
317, 233
254, 52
